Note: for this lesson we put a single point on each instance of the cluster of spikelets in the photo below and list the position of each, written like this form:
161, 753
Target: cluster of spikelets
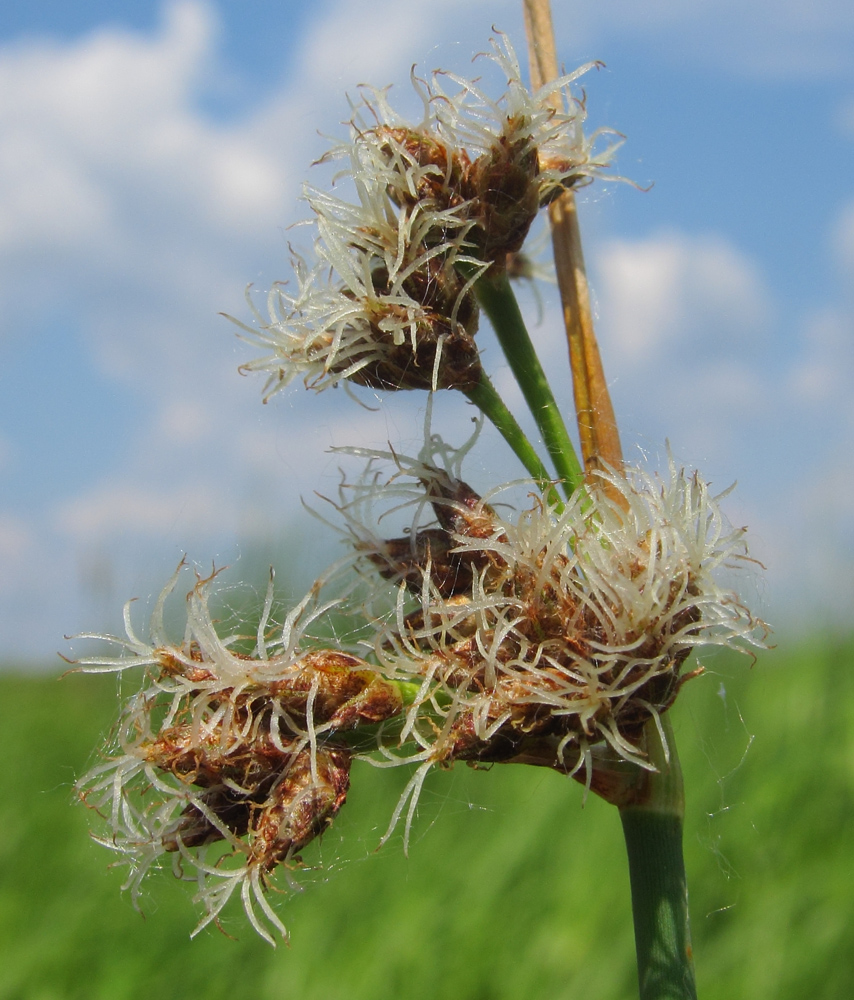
539, 632
532, 638
389, 301
219, 748
540, 636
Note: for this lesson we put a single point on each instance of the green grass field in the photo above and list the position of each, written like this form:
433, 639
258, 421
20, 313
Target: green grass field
512, 889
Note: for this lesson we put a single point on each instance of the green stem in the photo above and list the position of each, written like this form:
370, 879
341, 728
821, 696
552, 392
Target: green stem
486, 398
652, 826
499, 303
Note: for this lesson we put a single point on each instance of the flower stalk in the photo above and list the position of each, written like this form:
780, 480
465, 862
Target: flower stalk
485, 397
498, 301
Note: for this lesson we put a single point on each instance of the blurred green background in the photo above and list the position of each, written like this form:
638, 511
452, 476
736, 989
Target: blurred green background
511, 889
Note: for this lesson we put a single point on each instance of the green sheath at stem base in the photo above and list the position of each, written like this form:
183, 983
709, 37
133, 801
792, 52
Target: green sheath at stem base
659, 905
651, 814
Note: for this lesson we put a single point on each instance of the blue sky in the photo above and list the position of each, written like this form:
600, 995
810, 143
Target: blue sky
151, 157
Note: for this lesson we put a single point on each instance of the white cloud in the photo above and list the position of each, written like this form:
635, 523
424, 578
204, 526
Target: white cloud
146, 510
671, 290
107, 167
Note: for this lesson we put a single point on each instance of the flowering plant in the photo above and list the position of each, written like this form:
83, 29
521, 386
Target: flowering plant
551, 631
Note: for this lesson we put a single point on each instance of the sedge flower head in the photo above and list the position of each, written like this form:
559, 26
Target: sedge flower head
540, 636
229, 762
388, 302
383, 306
499, 159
